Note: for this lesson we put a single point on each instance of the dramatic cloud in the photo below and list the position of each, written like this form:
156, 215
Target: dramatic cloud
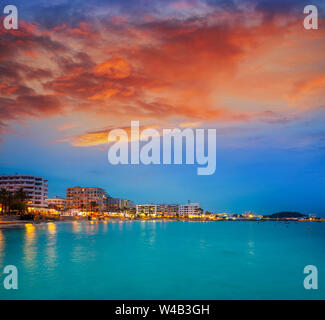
187, 62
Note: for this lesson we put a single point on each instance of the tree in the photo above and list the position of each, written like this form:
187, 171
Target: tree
125, 209
19, 201
93, 205
10, 199
133, 211
19, 206
21, 195
4, 199
13, 201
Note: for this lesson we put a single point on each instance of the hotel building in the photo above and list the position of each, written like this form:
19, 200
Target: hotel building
116, 204
36, 188
83, 198
189, 209
57, 203
146, 209
167, 209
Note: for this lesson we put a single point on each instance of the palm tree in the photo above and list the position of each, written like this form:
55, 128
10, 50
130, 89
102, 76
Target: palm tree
21, 195
125, 209
19, 201
4, 199
19, 206
13, 201
10, 199
93, 205
133, 211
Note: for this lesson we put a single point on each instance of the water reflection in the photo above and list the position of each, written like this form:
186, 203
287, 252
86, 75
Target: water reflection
84, 245
92, 228
29, 246
148, 232
51, 227
203, 244
2, 246
121, 226
51, 256
76, 227
251, 246
105, 228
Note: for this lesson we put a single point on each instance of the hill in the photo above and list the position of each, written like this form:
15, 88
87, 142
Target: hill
286, 214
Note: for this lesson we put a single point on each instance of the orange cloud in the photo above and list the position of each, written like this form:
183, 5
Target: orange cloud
97, 138
115, 68
204, 69
315, 84
189, 124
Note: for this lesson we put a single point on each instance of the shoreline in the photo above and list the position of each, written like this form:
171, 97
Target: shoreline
16, 223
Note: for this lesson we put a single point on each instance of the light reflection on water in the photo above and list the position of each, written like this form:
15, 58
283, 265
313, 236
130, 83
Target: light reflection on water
105, 226
91, 228
29, 246
251, 245
51, 248
76, 227
148, 232
2, 246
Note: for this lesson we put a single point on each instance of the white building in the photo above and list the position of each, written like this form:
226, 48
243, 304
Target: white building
188, 209
146, 209
167, 209
36, 188
57, 203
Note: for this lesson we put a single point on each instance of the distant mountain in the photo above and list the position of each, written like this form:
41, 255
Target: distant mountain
286, 214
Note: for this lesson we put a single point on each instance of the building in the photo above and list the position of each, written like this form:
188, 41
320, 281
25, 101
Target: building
36, 188
146, 209
87, 199
57, 203
189, 209
167, 209
116, 204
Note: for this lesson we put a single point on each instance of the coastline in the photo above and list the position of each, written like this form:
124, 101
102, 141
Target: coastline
14, 222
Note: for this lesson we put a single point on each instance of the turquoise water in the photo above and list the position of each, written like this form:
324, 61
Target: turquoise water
163, 260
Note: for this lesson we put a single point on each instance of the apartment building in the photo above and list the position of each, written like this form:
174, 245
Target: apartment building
36, 188
189, 209
146, 209
86, 198
57, 203
116, 204
167, 209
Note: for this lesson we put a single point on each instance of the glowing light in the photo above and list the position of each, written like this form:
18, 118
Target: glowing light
30, 228
51, 227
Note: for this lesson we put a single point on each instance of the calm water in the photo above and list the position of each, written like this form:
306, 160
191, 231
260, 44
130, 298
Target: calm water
163, 260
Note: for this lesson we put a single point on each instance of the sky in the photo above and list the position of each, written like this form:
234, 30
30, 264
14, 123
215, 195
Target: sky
74, 70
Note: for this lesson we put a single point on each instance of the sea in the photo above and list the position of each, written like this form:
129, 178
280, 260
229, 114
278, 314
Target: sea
164, 260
